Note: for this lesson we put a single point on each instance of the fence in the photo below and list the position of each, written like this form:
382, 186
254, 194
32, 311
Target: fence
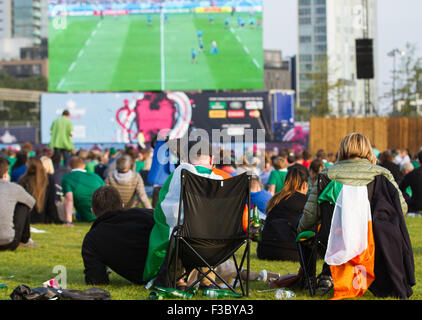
384, 133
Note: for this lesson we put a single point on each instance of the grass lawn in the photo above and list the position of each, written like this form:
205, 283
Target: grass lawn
127, 54
62, 246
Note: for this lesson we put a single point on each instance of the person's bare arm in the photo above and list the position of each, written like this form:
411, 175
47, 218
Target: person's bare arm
271, 189
68, 206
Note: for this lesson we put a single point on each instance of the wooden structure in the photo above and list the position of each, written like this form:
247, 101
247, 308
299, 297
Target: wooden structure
384, 133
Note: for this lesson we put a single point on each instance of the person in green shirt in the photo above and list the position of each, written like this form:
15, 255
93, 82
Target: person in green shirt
93, 161
11, 157
278, 175
61, 133
78, 187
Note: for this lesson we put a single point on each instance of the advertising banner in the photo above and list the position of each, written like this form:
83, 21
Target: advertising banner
139, 116
18, 135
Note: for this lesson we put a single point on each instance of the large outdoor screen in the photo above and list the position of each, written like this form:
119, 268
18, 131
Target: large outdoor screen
128, 45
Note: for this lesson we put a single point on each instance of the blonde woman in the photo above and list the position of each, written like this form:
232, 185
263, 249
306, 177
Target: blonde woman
347, 194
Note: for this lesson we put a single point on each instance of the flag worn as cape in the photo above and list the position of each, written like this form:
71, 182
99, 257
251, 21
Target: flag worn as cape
166, 213
350, 249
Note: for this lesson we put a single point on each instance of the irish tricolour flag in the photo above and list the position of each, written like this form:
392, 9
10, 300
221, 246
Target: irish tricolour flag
166, 212
350, 250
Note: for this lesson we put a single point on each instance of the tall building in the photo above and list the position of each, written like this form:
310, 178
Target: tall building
327, 31
29, 18
23, 24
5, 19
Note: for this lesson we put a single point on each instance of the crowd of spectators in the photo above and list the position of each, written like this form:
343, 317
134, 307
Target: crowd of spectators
41, 189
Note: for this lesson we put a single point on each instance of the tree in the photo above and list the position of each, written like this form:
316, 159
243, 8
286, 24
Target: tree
323, 94
14, 110
404, 82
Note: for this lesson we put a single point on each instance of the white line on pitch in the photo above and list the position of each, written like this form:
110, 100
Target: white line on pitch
80, 53
88, 41
238, 39
231, 29
72, 66
93, 32
246, 49
60, 83
256, 63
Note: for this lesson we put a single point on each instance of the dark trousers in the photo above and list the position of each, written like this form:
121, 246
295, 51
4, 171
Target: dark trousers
155, 196
65, 154
21, 221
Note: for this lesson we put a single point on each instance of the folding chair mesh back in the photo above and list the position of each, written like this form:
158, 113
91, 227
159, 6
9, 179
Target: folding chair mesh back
212, 224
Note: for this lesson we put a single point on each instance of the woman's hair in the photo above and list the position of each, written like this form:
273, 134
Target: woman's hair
316, 166
356, 145
35, 181
21, 158
296, 176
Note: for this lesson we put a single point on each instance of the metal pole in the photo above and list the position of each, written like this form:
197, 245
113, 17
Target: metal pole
394, 80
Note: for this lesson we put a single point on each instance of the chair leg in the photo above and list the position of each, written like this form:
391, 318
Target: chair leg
305, 270
248, 266
176, 255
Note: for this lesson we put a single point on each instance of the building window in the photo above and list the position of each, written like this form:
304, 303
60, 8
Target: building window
305, 21
304, 2
305, 39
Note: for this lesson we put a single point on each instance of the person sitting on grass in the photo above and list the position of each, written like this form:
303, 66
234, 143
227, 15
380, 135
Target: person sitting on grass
283, 211
413, 179
41, 186
15, 208
259, 196
129, 183
278, 175
118, 239
78, 187
166, 211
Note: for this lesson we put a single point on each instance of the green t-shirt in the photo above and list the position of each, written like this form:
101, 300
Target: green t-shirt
277, 178
12, 162
60, 134
90, 166
82, 184
140, 165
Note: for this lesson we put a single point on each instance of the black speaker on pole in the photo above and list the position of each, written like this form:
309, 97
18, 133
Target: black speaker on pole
364, 58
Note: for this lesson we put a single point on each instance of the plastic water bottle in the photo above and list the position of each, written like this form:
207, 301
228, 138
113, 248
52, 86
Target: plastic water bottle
284, 294
217, 293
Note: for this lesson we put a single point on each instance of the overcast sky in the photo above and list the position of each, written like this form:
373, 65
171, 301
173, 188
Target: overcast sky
399, 22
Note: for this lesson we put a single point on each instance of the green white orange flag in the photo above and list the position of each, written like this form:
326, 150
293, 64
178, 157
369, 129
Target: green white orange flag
350, 250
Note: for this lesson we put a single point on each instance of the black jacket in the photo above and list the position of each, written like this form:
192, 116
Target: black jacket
118, 240
279, 232
394, 264
414, 180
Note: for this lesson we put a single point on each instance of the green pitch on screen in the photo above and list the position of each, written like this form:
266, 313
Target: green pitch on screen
127, 53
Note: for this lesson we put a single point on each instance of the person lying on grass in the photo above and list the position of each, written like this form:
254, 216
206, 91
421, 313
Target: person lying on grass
118, 239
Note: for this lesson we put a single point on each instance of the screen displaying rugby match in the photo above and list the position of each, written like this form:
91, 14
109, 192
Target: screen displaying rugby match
128, 45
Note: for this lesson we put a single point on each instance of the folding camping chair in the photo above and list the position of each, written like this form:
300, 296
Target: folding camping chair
212, 228
315, 242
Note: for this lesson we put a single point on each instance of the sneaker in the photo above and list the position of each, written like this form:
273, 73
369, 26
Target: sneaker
29, 244
324, 284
